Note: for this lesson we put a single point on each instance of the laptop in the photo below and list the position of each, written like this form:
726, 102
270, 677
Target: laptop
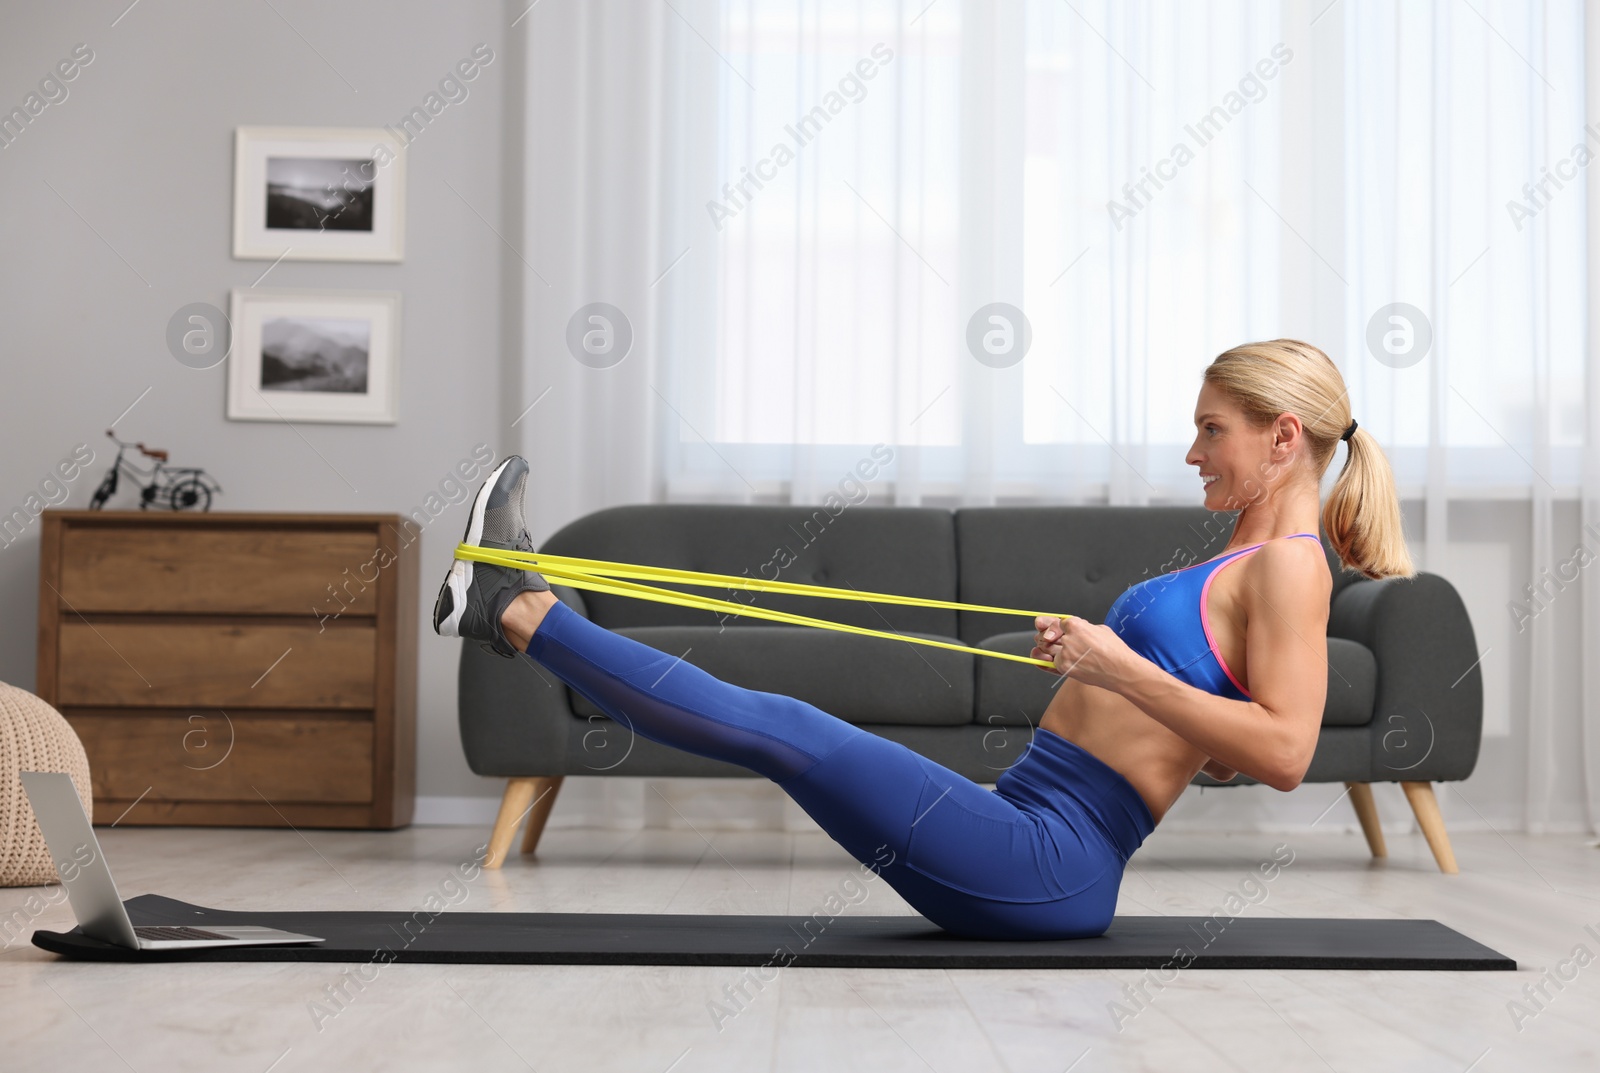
93, 893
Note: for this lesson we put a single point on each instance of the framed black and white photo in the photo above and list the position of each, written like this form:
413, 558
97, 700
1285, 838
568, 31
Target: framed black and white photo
318, 194
314, 356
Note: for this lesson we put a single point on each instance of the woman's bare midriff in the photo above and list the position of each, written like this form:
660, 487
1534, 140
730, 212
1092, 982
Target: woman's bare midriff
1156, 761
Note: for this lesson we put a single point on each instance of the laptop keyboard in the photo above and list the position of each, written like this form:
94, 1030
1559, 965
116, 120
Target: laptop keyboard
176, 931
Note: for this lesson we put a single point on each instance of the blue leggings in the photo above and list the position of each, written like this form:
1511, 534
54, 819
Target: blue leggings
1039, 857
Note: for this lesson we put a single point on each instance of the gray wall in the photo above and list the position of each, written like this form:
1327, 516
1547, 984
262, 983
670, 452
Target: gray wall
118, 210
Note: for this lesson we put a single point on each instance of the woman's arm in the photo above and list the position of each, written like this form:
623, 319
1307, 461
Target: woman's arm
1270, 738
1220, 772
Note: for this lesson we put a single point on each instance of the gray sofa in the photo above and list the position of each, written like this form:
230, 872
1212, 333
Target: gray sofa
1405, 693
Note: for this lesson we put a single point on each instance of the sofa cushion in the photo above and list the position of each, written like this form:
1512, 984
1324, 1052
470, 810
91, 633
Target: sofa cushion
1007, 693
1014, 694
1078, 559
903, 550
859, 679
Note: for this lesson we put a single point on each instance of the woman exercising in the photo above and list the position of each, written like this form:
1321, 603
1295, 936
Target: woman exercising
1149, 698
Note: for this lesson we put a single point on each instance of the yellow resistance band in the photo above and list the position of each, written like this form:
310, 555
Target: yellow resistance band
598, 575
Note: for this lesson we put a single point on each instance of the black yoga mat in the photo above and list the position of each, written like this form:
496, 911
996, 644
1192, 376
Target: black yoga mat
1132, 942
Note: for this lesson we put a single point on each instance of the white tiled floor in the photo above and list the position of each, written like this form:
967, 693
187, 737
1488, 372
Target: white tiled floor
1527, 897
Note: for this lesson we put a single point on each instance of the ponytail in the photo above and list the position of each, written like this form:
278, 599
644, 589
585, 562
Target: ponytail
1362, 515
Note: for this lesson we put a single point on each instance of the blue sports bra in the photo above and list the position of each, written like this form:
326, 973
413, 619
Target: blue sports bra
1164, 620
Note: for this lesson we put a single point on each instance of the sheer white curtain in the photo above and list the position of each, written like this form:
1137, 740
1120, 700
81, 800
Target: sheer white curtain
799, 207
967, 154
1462, 159
1589, 491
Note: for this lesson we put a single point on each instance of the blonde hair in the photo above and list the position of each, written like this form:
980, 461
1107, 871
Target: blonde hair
1362, 514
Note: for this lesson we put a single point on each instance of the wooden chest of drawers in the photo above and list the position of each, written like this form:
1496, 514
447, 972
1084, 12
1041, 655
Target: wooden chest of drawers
235, 669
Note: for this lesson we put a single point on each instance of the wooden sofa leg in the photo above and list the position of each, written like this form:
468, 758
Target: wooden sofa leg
544, 798
1367, 813
1426, 806
531, 797
513, 803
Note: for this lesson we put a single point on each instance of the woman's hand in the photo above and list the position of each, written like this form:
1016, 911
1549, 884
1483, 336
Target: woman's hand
1047, 630
1091, 653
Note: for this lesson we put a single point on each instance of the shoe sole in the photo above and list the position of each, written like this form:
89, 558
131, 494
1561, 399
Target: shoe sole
446, 623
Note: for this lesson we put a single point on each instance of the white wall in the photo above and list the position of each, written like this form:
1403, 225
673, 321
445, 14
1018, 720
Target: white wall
135, 168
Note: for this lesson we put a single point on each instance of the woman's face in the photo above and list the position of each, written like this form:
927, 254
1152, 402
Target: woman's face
1234, 459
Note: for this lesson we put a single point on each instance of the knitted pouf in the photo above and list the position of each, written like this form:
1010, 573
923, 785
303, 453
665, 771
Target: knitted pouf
33, 737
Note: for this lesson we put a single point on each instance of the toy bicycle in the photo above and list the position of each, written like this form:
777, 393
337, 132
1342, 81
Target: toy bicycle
175, 488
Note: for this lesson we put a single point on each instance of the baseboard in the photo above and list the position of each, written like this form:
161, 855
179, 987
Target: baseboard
456, 811
441, 811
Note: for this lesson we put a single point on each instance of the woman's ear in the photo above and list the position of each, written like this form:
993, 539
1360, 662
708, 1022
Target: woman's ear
1288, 432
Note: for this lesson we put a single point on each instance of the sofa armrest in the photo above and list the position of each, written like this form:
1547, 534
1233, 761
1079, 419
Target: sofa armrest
1427, 720
514, 716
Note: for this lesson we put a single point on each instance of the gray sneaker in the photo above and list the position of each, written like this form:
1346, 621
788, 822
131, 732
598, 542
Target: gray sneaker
475, 595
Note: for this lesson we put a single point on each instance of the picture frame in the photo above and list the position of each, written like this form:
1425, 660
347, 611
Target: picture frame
318, 194
314, 355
